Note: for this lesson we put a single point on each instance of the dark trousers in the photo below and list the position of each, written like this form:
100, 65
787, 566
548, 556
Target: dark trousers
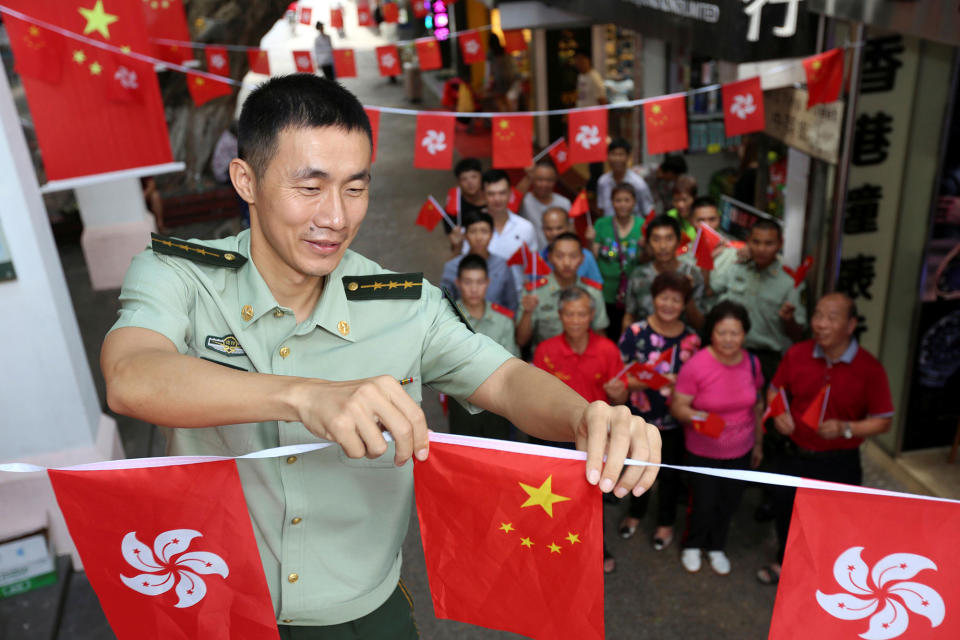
393, 620
328, 71
669, 482
480, 425
841, 465
615, 313
713, 501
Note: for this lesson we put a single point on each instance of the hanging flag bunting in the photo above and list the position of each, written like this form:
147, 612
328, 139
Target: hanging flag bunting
431, 214
373, 115
512, 136
812, 416
666, 124
168, 21
77, 106
705, 244
259, 61
344, 63
303, 60
710, 425
305, 14
164, 566
428, 54
824, 77
388, 59
868, 566
434, 142
743, 107
471, 47
529, 558
391, 12
336, 18
580, 205
419, 9
560, 155
515, 201
800, 273
587, 135
364, 17
203, 89
218, 61
777, 407
513, 41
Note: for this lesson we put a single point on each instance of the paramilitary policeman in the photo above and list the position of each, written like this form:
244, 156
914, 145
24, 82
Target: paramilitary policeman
540, 317
281, 335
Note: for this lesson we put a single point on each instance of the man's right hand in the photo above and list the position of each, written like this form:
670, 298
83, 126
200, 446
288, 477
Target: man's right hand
529, 302
456, 240
784, 423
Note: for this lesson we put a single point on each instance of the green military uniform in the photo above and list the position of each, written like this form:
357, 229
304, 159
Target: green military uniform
497, 324
329, 528
639, 302
546, 316
727, 257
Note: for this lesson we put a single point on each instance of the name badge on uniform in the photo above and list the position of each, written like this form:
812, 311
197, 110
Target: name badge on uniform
227, 345
546, 307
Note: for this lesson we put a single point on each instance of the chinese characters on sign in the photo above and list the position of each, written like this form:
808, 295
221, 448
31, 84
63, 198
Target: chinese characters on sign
754, 9
814, 131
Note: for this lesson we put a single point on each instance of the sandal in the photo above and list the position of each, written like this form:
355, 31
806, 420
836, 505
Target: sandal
661, 542
768, 574
626, 531
609, 563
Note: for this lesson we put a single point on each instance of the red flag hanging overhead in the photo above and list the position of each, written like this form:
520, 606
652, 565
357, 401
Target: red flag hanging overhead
471, 47
218, 61
587, 135
868, 566
259, 61
344, 63
434, 143
705, 244
800, 273
203, 89
167, 21
336, 18
743, 107
374, 116
303, 61
388, 59
666, 124
79, 105
560, 155
527, 557
364, 17
512, 136
580, 205
430, 214
812, 416
419, 9
169, 550
306, 13
824, 76
428, 54
391, 12
513, 41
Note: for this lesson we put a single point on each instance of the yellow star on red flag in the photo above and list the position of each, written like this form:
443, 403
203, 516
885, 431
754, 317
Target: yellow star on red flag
97, 20
542, 496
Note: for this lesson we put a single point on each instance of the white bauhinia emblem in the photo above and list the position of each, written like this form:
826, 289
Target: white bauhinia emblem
166, 566
218, 60
743, 105
885, 595
387, 61
588, 135
303, 62
127, 78
434, 141
562, 156
471, 46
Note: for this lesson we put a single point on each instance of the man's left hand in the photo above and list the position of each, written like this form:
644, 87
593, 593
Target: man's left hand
616, 391
616, 433
831, 429
786, 312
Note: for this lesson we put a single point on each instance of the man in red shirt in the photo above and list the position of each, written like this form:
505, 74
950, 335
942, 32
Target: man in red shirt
851, 389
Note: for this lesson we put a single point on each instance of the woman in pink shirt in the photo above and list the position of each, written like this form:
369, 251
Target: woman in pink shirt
722, 381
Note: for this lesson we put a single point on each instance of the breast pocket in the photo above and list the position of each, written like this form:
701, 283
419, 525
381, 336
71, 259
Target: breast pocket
384, 461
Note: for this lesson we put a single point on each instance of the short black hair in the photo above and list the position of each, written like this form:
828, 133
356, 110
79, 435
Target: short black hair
580, 51
299, 101
495, 175
471, 261
475, 217
671, 281
467, 164
674, 164
566, 235
721, 311
625, 187
704, 201
546, 161
662, 221
619, 143
766, 225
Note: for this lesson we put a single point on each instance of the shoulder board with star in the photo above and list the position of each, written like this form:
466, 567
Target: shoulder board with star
535, 284
384, 286
499, 308
591, 283
196, 252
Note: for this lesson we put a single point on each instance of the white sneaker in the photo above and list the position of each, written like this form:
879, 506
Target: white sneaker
690, 559
719, 562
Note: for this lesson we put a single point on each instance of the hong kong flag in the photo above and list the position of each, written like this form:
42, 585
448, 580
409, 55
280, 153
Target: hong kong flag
666, 124
452, 204
373, 115
391, 13
419, 8
167, 21
218, 61
434, 145
743, 107
824, 77
515, 201
344, 63
388, 59
305, 14
471, 47
868, 566
703, 247
512, 136
560, 154
587, 135
259, 61
336, 18
428, 54
364, 17
303, 61
169, 550
647, 374
513, 41
203, 89
527, 556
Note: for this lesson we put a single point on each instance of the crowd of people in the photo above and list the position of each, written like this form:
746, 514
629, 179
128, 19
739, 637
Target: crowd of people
623, 313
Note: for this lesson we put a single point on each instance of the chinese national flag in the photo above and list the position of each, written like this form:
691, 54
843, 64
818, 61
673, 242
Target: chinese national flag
560, 155
824, 76
812, 416
391, 13
777, 407
434, 145
344, 63
452, 205
168, 21
305, 14
388, 59
471, 47
587, 135
707, 241
259, 61
364, 17
336, 18
537, 267
203, 89
428, 53
516, 199
374, 116
169, 550
527, 556
80, 108
218, 61
513, 41
868, 566
800, 273
303, 60
512, 136
666, 125
743, 107
712, 426
522, 256
580, 205
419, 9
430, 214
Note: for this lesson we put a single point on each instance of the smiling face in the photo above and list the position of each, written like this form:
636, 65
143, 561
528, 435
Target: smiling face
498, 197
623, 204
617, 159
308, 205
727, 337
668, 305
544, 180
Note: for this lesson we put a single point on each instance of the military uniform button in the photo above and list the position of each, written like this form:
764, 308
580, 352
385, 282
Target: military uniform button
353, 286
229, 257
246, 313
278, 313
293, 577
286, 621
296, 520
284, 352
291, 459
